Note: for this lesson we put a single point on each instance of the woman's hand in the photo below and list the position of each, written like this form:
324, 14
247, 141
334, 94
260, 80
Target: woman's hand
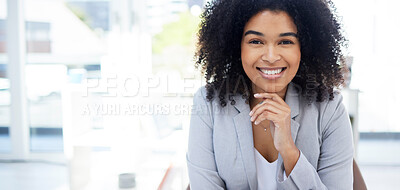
275, 109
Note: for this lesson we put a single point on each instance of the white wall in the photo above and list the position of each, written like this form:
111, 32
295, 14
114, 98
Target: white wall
372, 28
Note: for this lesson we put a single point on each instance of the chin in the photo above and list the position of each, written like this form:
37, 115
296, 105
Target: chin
273, 87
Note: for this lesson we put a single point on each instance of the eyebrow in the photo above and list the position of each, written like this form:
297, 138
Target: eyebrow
288, 34
280, 35
253, 32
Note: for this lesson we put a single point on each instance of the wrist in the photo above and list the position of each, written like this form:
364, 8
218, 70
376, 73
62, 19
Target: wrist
290, 157
289, 151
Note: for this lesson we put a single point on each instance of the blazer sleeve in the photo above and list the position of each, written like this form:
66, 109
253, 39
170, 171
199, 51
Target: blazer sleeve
200, 155
335, 164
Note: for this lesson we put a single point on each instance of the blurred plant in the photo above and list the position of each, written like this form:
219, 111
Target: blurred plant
181, 32
174, 47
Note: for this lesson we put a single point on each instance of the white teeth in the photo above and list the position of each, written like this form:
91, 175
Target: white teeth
271, 72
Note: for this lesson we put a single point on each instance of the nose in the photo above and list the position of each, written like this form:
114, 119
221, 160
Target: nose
271, 55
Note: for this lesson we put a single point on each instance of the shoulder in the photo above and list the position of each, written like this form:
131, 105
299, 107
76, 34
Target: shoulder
324, 107
332, 111
329, 107
200, 98
211, 108
200, 94
202, 107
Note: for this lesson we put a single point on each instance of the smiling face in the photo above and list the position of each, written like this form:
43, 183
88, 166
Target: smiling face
270, 51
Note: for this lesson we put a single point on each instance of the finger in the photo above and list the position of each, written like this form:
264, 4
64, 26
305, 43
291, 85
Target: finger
272, 96
267, 116
268, 101
266, 107
257, 106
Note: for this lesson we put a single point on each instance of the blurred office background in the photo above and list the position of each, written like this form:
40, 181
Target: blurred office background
96, 94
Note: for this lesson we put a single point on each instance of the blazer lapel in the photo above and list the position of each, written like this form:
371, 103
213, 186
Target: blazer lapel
245, 136
292, 99
245, 132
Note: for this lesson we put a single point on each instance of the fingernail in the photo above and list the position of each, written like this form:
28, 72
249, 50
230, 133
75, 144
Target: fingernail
256, 122
252, 118
256, 95
251, 113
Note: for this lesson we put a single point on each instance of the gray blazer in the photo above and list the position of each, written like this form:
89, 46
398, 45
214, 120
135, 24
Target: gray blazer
221, 155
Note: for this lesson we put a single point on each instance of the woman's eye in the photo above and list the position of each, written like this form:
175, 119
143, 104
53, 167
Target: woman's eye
255, 42
286, 42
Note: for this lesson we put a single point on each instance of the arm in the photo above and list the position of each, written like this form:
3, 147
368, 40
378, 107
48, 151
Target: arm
200, 156
334, 169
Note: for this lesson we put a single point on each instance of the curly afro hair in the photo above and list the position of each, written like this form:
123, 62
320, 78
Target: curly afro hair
322, 66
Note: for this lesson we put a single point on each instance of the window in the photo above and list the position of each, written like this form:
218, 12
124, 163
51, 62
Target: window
5, 142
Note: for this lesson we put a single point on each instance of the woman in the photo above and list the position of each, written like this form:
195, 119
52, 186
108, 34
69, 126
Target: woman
277, 63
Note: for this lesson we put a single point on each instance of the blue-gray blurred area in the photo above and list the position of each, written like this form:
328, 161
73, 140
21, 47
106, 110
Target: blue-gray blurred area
95, 14
195, 2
